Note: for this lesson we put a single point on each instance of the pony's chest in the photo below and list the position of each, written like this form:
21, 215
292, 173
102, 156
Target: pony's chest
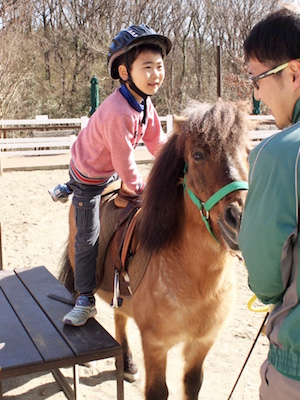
204, 296
200, 283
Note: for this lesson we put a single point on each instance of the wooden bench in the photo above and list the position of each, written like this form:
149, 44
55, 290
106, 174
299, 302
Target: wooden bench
33, 337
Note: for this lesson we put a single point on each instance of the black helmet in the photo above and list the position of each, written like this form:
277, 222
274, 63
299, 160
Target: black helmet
132, 37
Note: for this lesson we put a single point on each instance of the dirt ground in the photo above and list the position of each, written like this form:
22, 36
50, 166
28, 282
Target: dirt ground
34, 232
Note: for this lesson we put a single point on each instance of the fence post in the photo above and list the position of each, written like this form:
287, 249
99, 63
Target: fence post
72, 138
169, 123
84, 121
1, 166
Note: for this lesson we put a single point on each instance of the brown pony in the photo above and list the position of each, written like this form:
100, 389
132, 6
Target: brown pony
187, 289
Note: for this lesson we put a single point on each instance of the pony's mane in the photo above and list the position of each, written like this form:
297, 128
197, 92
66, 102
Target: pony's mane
163, 198
223, 127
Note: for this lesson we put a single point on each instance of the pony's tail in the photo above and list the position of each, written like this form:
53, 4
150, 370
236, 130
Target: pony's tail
66, 273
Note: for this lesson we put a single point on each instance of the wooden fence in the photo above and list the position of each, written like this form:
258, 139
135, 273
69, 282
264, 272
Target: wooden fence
43, 124
56, 136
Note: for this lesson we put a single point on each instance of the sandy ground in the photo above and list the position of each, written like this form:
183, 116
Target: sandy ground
34, 232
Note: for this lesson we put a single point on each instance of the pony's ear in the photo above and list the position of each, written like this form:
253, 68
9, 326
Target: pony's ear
244, 105
177, 123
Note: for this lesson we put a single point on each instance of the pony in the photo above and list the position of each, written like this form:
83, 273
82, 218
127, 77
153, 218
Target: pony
187, 230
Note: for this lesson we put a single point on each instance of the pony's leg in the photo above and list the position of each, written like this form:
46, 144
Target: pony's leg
130, 368
194, 354
155, 357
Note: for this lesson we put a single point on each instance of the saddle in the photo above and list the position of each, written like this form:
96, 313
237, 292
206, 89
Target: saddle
123, 245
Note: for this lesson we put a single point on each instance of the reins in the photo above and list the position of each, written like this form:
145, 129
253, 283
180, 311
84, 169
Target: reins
205, 207
249, 354
255, 309
111, 193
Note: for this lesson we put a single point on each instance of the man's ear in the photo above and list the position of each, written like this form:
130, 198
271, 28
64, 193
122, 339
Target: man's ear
123, 72
294, 67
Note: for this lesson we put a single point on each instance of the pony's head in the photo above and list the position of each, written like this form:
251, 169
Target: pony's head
208, 151
214, 140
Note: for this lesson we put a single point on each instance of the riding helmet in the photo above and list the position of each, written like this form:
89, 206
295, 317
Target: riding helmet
132, 37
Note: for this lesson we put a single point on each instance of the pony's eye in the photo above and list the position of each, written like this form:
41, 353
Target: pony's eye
198, 156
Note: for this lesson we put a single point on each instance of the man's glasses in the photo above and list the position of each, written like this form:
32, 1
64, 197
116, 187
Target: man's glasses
272, 71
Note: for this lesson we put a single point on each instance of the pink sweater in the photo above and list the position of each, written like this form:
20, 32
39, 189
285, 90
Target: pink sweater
107, 143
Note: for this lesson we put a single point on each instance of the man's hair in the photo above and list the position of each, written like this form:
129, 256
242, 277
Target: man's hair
275, 39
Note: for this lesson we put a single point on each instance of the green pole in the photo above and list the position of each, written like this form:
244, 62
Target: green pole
94, 95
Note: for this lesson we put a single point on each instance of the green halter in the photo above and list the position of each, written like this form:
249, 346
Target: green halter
205, 207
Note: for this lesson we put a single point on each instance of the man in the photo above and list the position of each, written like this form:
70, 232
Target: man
270, 224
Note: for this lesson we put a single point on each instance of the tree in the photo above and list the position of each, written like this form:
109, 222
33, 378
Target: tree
51, 49
18, 56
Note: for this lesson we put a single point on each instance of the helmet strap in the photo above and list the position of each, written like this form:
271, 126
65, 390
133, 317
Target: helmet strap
133, 87
140, 93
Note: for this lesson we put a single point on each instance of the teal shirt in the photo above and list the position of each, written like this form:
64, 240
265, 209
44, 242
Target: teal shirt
269, 240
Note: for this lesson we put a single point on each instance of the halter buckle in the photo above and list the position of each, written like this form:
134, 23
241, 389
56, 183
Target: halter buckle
204, 213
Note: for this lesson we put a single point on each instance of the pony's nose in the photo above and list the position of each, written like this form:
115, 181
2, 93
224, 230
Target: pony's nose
233, 216
230, 225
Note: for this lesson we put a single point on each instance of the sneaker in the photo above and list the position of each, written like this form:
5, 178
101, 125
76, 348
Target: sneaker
60, 193
81, 312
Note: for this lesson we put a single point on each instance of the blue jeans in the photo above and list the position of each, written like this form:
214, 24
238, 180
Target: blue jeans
86, 202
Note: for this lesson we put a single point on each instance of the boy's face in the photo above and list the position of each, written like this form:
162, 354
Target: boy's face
275, 91
148, 73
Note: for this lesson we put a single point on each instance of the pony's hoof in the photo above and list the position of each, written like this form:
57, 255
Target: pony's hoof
131, 372
130, 377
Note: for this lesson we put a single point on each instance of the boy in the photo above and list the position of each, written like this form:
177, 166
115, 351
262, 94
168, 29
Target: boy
269, 237
104, 150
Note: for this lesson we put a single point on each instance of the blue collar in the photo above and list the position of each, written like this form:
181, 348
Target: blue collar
130, 98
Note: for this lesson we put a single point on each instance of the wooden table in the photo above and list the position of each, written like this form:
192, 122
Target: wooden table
33, 337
